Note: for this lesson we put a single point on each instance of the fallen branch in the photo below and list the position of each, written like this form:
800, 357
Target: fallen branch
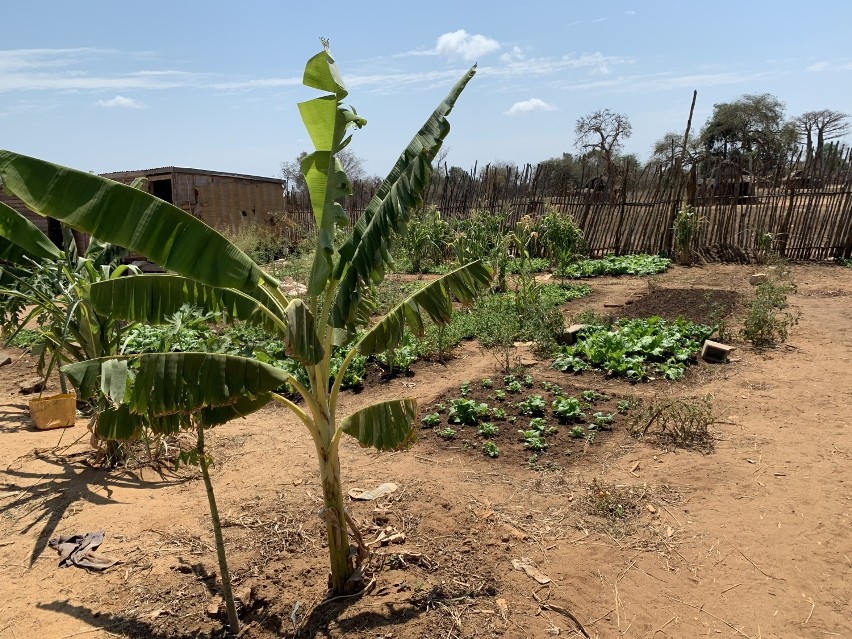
561, 611
752, 563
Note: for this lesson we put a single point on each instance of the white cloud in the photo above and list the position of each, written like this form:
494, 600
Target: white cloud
829, 65
664, 82
630, 13
593, 62
15, 60
259, 83
529, 106
120, 102
513, 56
461, 44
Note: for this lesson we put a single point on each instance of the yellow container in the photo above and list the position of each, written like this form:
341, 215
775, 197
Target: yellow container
56, 411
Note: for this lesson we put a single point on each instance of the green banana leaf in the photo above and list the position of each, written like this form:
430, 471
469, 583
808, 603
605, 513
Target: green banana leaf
20, 238
152, 299
326, 122
125, 216
365, 253
435, 300
160, 384
121, 423
384, 426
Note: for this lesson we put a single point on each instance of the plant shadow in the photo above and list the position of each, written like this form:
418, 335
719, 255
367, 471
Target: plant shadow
326, 620
48, 494
114, 623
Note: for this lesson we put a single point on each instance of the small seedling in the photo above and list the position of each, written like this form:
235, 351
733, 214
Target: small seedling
500, 395
538, 423
533, 440
490, 449
578, 432
623, 406
446, 433
464, 389
552, 388
466, 411
594, 396
603, 420
532, 405
431, 420
498, 413
528, 381
514, 387
567, 409
487, 429
487, 383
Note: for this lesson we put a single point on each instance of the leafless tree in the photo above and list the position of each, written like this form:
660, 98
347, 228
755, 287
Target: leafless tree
291, 170
604, 131
818, 127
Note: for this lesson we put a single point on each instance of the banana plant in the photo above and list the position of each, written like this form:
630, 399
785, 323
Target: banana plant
174, 390
43, 284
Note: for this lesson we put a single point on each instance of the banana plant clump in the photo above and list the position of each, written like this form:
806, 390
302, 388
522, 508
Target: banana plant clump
164, 392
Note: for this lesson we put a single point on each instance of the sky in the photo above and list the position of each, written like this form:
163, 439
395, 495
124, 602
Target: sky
111, 86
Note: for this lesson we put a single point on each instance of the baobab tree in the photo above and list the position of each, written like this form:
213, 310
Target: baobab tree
818, 127
603, 131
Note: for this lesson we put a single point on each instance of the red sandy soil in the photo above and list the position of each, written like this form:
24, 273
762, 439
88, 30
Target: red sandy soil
750, 540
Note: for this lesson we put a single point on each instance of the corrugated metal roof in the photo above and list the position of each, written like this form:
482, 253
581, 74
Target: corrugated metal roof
180, 169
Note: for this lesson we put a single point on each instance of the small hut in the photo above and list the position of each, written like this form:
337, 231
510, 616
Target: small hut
225, 201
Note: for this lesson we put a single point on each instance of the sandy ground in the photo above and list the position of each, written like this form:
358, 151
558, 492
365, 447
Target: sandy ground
751, 540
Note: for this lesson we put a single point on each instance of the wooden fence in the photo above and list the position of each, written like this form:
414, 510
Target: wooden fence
805, 214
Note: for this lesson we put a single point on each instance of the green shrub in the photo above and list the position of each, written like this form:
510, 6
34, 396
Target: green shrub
563, 239
427, 240
766, 322
685, 225
263, 244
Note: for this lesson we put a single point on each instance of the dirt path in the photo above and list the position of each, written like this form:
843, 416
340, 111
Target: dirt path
751, 540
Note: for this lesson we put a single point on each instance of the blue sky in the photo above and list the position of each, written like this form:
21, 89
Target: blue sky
108, 86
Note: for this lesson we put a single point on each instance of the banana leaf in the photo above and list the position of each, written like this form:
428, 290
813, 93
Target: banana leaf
384, 426
363, 257
131, 218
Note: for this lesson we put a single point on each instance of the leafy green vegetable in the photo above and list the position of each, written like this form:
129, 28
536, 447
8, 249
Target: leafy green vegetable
635, 348
487, 429
532, 405
533, 440
567, 409
618, 265
466, 411
431, 420
490, 449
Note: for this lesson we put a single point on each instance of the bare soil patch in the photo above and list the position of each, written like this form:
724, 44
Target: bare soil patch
700, 305
634, 540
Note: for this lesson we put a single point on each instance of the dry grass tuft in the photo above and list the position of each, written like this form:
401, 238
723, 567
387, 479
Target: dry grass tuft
678, 423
